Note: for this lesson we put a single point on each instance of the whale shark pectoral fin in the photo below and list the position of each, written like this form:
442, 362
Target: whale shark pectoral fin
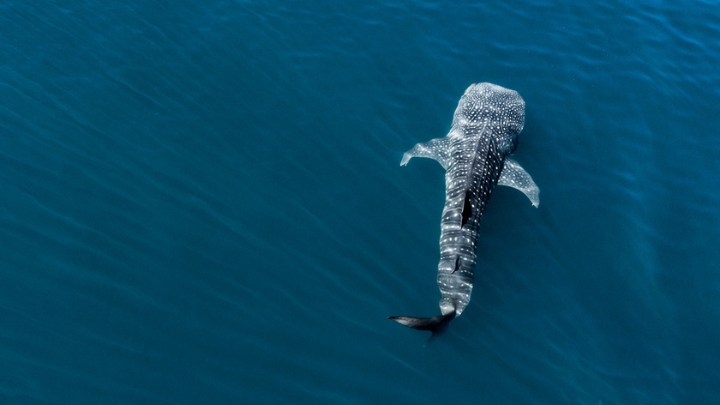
436, 325
438, 149
513, 175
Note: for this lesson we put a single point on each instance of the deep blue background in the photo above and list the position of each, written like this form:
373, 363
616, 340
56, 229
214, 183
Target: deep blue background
200, 202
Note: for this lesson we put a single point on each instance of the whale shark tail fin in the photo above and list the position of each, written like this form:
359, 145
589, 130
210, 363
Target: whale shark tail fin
436, 325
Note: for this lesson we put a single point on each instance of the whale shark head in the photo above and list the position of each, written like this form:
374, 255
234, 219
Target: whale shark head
486, 106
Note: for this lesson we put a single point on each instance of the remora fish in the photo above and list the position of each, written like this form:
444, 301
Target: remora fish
474, 154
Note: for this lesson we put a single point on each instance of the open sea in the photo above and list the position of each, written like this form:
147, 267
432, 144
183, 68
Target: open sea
201, 203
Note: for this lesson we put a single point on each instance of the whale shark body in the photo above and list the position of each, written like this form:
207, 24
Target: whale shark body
474, 154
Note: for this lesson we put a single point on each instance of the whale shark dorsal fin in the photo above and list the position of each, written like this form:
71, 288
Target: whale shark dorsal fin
467, 209
513, 175
438, 149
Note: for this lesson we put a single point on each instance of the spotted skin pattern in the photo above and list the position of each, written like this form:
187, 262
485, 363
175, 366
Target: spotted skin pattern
484, 132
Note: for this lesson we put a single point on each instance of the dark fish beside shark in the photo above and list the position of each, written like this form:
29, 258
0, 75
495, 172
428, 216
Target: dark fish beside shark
484, 132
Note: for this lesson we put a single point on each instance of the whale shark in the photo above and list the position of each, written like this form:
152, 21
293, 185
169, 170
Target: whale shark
475, 156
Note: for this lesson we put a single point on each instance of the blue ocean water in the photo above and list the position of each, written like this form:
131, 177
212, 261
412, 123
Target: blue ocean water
201, 202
